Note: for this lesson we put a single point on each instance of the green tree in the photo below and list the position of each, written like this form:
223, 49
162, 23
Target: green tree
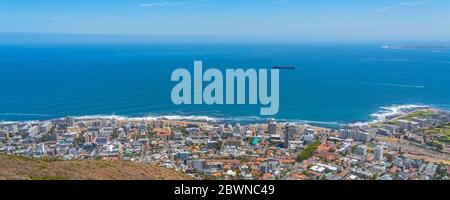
151, 133
78, 140
308, 152
115, 133
218, 145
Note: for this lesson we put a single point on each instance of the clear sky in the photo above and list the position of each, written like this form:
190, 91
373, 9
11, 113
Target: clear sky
295, 18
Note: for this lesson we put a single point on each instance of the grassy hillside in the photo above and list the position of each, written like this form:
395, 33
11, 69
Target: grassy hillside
16, 167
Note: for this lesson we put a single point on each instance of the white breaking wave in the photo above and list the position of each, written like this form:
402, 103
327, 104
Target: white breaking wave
359, 124
243, 119
320, 122
312, 122
384, 113
21, 122
389, 112
395, 110
203, 118
8, 122
169, 117
193, 118
175, 117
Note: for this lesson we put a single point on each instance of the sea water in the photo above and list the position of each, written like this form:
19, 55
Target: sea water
332, 83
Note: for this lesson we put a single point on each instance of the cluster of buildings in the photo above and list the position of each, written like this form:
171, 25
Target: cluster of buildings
211, 150
415, 123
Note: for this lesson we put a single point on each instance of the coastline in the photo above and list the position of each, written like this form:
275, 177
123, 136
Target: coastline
383, 113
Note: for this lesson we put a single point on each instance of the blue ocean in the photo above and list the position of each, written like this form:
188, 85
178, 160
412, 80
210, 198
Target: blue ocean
333, 82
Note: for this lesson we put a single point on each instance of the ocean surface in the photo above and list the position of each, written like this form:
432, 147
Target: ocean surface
333, 83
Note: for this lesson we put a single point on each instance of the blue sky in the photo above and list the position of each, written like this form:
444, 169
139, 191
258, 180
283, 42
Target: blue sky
278, 18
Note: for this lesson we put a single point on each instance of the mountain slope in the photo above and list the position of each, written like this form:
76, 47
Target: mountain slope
16, 167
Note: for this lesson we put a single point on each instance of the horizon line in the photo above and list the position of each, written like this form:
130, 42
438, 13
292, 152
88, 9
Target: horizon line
249, 36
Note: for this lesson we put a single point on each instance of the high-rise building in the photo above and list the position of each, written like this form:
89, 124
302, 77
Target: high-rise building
237, 129
361, 150
14, 128
45, 127
385, 132
288, 132
345, 133
40, 149
89, 136
198, 164
378, 153
362, 136
403, 125
263, 168
70, 121
392, 129
422, 122
413, 126
4, 134
33, 131
272, 126
309, 139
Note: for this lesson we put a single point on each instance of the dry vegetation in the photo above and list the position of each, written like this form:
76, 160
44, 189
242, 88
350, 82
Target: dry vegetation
17, 167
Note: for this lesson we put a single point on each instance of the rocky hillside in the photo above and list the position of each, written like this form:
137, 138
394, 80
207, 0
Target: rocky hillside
16, 167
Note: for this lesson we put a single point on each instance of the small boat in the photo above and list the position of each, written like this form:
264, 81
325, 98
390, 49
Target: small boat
283, 67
